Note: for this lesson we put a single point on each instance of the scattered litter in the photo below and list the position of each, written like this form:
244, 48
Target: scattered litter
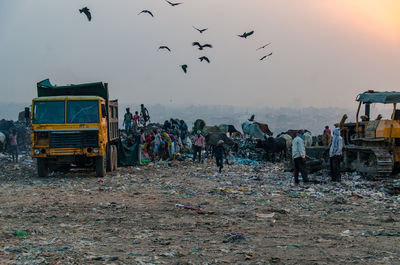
345, 233
233, 237
20, 233
265, 215
168, 210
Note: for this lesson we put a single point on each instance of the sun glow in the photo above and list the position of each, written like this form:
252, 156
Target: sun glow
378, 16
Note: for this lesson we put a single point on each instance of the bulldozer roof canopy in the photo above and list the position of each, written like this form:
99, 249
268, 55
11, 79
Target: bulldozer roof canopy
379, 97
46, 89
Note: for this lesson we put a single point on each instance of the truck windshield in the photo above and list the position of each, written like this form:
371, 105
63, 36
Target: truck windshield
82, 111
49, 112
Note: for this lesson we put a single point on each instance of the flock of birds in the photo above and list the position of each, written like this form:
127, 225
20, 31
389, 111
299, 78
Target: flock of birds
201, 47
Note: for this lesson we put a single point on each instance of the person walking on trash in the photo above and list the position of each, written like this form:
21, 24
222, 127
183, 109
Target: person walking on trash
199, 144
144, 115
299, 158
219, 152
335, 155
136, 119
326, 136
13, 145
157, 143
128, 120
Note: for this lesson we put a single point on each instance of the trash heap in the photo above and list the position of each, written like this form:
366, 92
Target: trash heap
173, 212
248, 153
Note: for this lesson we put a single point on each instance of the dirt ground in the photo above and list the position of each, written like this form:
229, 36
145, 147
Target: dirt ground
186, 213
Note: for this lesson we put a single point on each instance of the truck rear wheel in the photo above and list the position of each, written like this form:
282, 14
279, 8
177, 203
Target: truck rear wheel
115, 157
101, 166
109, 158
42, 167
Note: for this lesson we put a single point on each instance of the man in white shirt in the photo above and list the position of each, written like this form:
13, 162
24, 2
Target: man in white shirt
299, 157
335, 155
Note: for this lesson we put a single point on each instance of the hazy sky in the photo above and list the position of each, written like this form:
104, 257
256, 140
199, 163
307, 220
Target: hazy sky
324, 52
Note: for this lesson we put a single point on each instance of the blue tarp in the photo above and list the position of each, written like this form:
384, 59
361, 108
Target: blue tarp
128, 156
44, 83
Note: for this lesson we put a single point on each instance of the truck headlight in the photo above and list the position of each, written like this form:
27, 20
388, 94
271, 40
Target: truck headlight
95, 150
36, 151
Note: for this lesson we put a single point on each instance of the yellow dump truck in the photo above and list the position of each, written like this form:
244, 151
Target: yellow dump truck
74, 125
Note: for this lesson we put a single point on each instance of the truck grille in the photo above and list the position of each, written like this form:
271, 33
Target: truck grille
74, 139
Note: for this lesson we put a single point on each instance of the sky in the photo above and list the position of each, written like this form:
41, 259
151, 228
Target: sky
324, 52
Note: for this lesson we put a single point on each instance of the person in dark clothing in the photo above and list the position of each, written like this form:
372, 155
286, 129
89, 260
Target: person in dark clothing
183, 129
219, 152
167, 125
335, 154
128, 120
144, 114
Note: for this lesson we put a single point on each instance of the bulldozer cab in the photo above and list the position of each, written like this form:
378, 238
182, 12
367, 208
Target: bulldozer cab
379, 129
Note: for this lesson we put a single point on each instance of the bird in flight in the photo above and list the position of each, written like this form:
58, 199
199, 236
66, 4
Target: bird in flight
86, 11
173, 4
164, 47
200, 30
204, 58
146, 11
184, 68
201, 47
246, 34
265, 56
262, 47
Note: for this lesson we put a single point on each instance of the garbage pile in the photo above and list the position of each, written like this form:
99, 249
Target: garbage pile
172, 212
155, 142
247, 150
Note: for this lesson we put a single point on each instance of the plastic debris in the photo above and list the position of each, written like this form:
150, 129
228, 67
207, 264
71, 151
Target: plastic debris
20, 233
265, 215
233, 237
180, 211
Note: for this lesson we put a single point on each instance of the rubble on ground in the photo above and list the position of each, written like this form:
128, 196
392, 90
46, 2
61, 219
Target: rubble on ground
180, 212
247, 149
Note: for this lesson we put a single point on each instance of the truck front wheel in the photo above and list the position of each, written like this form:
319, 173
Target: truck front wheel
101, 162
42, 167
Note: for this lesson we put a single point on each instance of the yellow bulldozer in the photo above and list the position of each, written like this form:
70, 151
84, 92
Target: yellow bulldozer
372, 146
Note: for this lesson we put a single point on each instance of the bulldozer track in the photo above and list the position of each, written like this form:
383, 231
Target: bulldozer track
380, 167
385, 163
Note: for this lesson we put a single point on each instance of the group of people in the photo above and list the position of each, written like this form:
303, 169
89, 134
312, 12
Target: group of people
173, 138
14, 137
299, 155
135, 121
165, 142
10, 142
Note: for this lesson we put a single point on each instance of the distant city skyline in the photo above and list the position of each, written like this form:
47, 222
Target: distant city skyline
279, 119
324, 52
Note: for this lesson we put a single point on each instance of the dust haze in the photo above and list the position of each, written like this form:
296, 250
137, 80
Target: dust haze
320, 58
